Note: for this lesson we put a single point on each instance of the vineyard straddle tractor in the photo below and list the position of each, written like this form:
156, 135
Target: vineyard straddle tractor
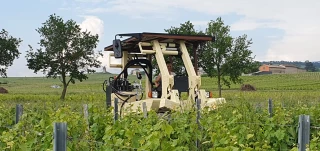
137, 51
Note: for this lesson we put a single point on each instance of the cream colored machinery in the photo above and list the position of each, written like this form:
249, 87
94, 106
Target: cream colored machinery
137, 52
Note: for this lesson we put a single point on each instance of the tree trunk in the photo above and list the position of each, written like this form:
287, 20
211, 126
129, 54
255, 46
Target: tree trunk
219, 86
64, 91
65, 85
219, 81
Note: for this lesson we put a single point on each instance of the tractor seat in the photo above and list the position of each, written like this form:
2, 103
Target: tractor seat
181, 83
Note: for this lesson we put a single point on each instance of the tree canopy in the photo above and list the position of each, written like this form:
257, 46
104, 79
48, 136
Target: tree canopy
65, 52
227, 58
186, 28
8, 51
309, 66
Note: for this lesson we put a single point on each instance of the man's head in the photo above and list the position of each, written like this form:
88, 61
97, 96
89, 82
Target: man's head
169, 65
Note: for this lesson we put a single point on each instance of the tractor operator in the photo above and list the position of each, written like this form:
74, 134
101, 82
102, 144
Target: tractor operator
158, 79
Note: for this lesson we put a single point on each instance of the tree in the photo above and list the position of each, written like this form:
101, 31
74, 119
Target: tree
186, 28
226, 58
65, 52
252, 67
309, 66
8, 51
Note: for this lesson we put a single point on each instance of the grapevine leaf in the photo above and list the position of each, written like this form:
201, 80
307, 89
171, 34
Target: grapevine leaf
250, 136
279, 134
168, 129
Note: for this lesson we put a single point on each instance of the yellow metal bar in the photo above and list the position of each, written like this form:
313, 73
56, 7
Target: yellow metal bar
115, 65
145, 44
165, 50
172, 53
120, 66
124, 61
147, 51
139, 55
110, 60
194, 80
150, 44
166, 79
168, 52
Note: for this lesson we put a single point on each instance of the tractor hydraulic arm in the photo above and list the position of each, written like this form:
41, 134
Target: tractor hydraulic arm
194, 79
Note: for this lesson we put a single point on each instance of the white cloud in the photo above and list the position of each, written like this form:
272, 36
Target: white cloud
96, 26
298, 19
251, 24
93, 24
134, 9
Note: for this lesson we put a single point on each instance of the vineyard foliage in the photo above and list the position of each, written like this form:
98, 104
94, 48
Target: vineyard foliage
243, 123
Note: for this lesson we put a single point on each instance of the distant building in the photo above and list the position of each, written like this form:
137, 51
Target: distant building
273, 69
293, 69
280, 69
134, 71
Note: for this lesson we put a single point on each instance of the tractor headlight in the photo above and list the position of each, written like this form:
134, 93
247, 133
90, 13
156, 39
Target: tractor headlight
154, 94
208, 94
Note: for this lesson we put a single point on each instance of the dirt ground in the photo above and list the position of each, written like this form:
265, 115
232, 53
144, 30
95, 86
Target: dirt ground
3, 90
248, 87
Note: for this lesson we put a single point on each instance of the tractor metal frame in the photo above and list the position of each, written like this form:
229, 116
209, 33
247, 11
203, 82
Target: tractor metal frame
144, 45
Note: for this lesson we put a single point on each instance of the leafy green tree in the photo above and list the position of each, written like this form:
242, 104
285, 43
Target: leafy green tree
252, 67
226, 58
186, 28
309, 66
8, 51
65, 52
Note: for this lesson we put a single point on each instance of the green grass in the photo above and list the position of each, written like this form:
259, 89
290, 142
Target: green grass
289, 87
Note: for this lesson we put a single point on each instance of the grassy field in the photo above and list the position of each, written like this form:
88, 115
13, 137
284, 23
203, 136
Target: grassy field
242, 123
295, 87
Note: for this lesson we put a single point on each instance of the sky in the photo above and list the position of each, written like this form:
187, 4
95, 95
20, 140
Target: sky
280, 30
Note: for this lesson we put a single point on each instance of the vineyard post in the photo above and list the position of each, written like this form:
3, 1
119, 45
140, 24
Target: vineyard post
19, 112
115, 109
258, 107
304, 132
270, 107
283, 105
86, 114
60, 137
108, 96
144, 107
198, 103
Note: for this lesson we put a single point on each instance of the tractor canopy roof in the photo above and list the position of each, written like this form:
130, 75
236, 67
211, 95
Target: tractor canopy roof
131, 44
